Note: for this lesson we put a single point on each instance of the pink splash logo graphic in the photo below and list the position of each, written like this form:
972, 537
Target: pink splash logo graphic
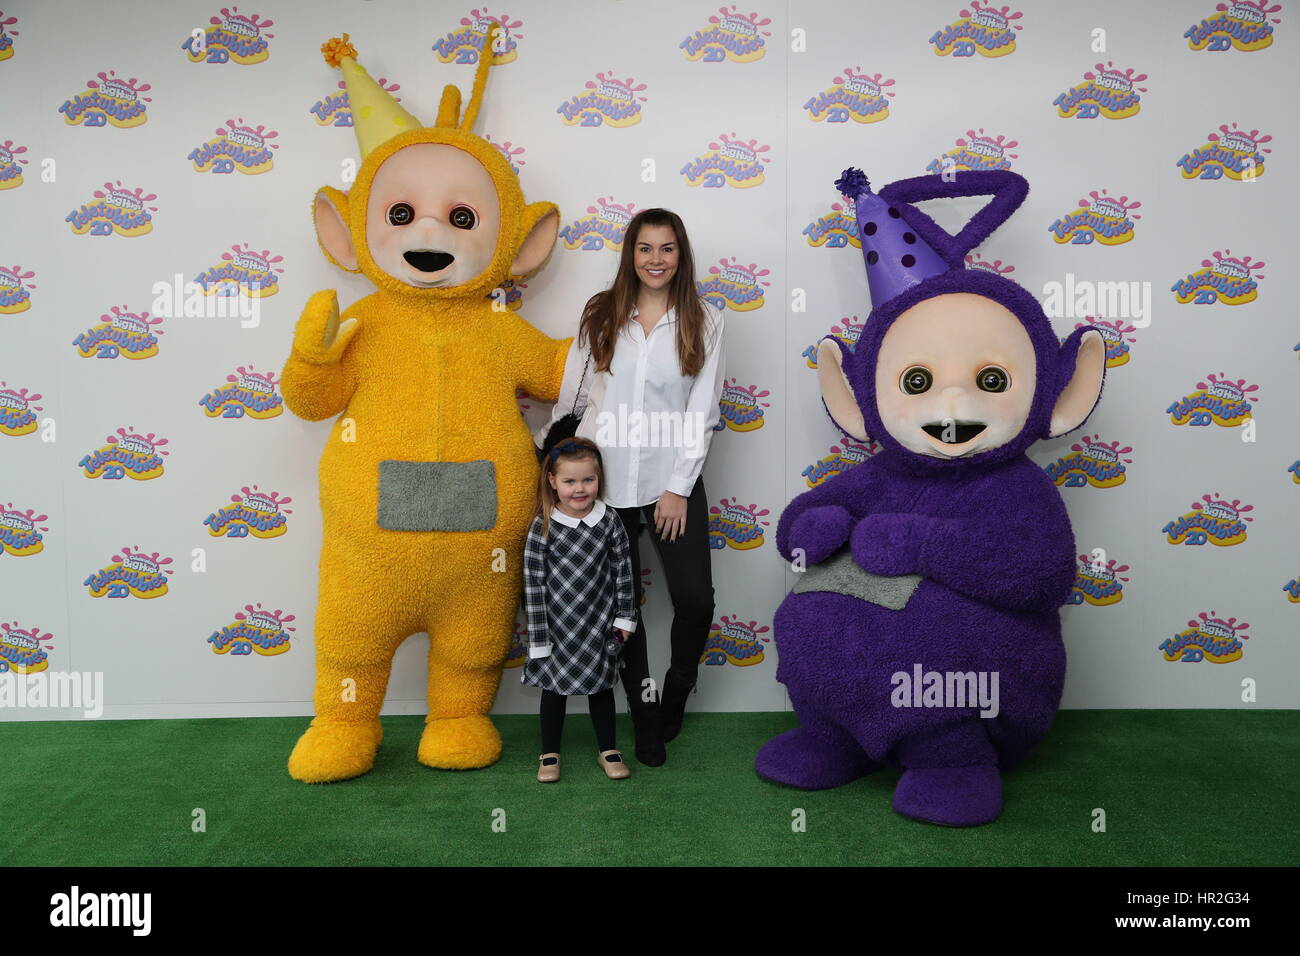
1227, 279
7, 33
128, 454
261, 514
1091, 461
602, 228
11, 164
246, 394
230, 38
730, 285
15, 289
843, 455
1109, 92
255, 630
976, 150
20, 531
848, 330
1219, 401
986, 30
1214, 520
243, 271
18, 411
23, 650
465, 44
1117, 335
729, 162
512, 153
1101, 218
236, 147
1097, 581
606, 101
736, 526
1235, 153
1207, 638
133, 573
108, 101
837, 228
741, 406
1241, 25
120, 333
335, 110
852, 96
735, 641
731, 35
114, 210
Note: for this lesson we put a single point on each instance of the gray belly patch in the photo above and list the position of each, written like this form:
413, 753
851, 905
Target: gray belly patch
841, 574
437, 495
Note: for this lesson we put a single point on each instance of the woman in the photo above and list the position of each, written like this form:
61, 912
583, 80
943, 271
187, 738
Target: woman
651, 351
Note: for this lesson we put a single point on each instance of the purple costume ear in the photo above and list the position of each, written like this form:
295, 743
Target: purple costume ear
1067, 359
1008, 190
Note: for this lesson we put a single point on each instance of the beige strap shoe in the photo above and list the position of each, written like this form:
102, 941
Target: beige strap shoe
548, 772
615, 769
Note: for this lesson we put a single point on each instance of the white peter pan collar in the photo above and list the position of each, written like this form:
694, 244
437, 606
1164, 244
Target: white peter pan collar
591, 518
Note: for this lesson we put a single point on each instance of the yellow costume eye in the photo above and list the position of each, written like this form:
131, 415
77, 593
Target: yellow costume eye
462, 217
400, 213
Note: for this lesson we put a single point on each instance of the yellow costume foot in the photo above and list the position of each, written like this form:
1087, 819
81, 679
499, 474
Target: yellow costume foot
459, 743
335, 751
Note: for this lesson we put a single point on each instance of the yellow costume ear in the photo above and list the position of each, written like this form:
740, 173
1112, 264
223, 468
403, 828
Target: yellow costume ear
541, 226
330, 213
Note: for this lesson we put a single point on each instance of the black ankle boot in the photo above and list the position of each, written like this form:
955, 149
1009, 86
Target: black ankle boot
647, 728
672, 704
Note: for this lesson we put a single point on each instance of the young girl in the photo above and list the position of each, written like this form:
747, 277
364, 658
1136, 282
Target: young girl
579, 598
652, 348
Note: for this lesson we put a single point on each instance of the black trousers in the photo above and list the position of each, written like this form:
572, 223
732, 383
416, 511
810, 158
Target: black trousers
688, 569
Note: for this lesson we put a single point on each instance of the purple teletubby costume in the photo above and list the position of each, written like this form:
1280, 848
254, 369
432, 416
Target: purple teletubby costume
930, 562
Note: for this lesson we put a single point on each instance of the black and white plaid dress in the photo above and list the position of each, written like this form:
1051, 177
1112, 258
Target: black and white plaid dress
577, 589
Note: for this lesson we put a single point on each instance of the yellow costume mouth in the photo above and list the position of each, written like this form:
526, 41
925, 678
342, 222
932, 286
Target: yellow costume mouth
428, 260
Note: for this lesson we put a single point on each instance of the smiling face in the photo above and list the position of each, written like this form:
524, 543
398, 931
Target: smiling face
433, 216
575, 484
655, 256
955, 376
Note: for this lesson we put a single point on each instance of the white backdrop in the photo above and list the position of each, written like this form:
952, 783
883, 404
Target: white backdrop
155, 654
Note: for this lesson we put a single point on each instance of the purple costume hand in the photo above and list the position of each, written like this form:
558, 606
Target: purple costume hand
890, 543
820, 531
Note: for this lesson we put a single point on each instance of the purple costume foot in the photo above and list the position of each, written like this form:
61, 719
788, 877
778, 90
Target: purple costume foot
950, 796
798, 759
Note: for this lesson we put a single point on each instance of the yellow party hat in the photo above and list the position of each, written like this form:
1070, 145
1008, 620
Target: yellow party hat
376, 116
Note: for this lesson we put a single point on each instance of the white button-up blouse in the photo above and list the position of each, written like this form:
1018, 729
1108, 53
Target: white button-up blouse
653, 424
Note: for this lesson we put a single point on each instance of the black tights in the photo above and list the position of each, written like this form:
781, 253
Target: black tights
600, 704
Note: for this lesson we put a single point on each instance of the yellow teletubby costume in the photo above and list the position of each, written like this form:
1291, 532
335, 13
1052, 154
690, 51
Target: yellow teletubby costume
428, 479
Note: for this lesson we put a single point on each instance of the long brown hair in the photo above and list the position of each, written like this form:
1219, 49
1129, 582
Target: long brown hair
606, 311
570, 449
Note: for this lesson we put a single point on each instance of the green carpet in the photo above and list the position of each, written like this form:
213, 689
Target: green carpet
1189, 788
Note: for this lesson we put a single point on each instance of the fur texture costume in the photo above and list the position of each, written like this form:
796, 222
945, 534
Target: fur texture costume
428, 479
948, 551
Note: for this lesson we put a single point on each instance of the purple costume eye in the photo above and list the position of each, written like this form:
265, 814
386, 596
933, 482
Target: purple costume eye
993, 378
916, 380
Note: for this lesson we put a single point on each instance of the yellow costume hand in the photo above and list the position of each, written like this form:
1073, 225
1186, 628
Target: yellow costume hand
320, 338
